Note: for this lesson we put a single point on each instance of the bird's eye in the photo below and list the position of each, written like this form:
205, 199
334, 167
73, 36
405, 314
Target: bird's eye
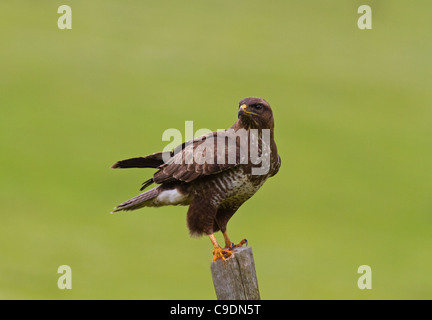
258, 106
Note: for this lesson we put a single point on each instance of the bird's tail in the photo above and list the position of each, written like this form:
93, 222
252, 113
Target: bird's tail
142, 200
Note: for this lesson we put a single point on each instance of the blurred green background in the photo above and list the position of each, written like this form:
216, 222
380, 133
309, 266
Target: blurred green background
353, 112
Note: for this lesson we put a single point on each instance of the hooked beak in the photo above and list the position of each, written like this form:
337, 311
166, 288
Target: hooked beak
243, 110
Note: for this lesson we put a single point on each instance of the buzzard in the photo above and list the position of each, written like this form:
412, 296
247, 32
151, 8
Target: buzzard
232, 171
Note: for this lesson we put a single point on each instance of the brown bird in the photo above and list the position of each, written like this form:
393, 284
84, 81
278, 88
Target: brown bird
213, 174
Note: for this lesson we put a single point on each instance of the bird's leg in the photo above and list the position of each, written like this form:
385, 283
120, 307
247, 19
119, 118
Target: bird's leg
230, 245
218, 252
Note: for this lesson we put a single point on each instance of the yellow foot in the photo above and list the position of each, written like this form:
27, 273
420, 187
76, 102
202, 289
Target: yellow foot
221, 254
241, 243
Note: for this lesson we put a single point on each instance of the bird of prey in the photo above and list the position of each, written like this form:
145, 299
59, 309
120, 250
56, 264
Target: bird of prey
214, 189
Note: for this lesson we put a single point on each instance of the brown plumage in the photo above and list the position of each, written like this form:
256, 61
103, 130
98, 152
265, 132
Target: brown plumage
214, 174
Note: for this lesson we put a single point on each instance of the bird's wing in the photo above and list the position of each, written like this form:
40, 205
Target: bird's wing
203, 156
277, 166
151, 161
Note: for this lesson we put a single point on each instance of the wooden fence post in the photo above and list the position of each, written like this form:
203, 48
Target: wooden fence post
236, 278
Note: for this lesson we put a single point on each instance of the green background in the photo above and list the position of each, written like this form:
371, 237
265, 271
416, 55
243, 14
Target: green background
353, 112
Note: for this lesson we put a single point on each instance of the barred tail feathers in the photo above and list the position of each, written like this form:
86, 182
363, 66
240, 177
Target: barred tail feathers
144, 199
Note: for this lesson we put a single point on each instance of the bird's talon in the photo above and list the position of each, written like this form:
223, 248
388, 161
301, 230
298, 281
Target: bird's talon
231, 246
241, 243
221, 254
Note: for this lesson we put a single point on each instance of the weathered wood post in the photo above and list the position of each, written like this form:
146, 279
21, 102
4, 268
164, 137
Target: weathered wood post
235, 279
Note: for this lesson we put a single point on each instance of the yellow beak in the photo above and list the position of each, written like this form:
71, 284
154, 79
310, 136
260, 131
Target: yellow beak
244, 109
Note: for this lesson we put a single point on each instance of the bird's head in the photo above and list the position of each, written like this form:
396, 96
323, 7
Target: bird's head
255, 113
